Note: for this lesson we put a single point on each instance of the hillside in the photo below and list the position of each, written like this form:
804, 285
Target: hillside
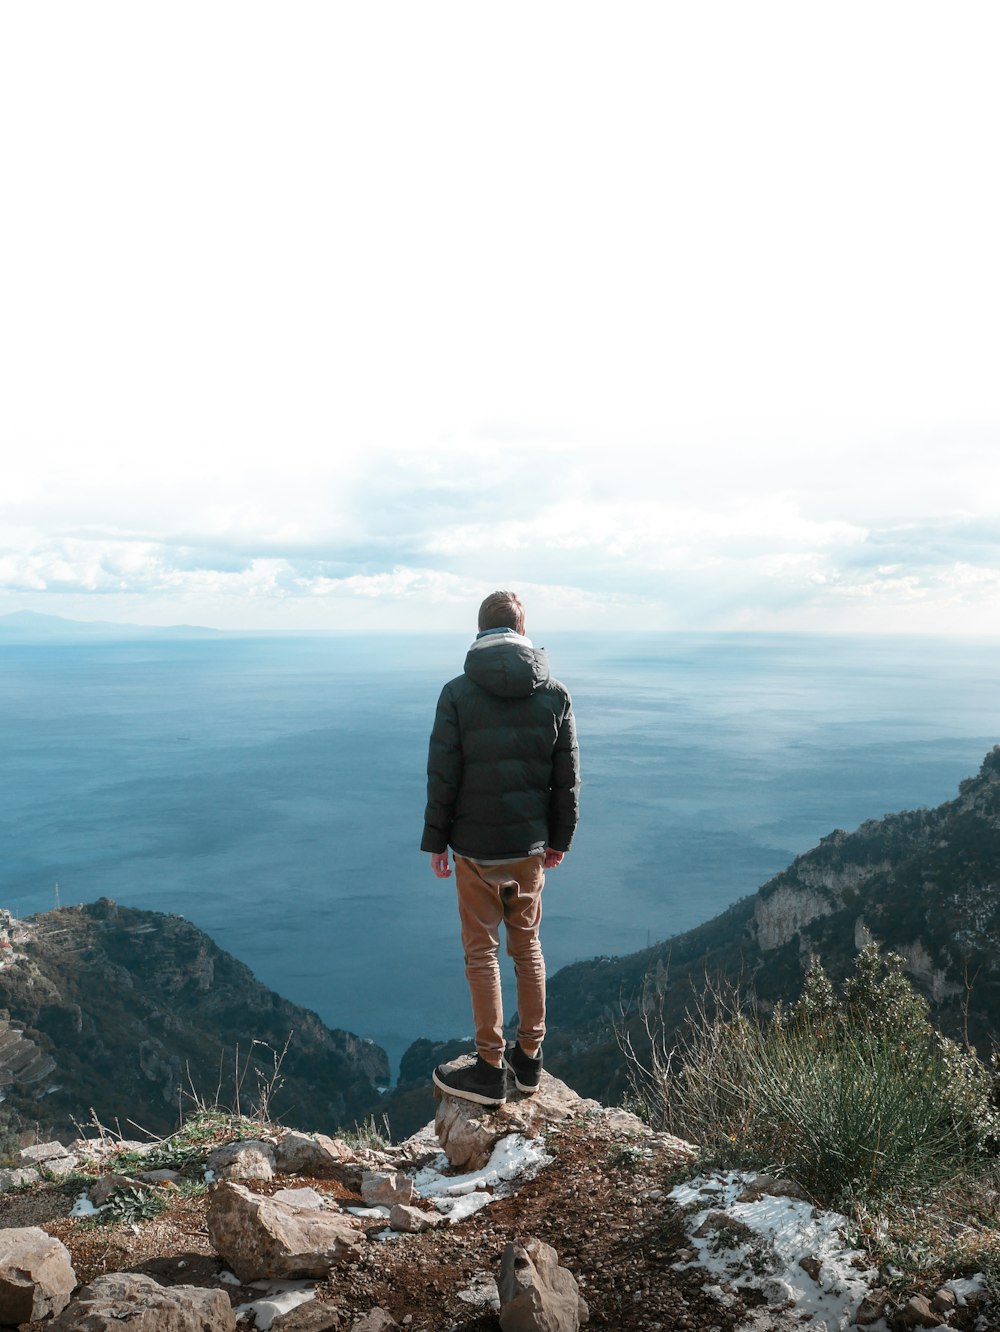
923, 883
134, 1013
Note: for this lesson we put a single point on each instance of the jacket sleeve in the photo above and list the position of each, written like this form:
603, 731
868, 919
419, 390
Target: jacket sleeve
564, 800
444, 774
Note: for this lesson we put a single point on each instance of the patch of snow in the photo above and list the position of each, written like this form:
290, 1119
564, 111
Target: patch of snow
964, 1287
209, 1175
763, 1249
459, 1196
377, 1213
280, 1298
84, 1207
457, 1209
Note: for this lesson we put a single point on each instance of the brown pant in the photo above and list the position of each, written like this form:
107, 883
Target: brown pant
487, 895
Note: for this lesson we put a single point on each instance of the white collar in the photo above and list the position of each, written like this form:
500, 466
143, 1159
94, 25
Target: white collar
508, 636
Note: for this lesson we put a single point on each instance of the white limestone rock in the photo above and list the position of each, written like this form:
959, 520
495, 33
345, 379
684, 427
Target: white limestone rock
468, 1132
249, 1159
36, 1275
383, 1188
143, 1305
314, 1155
260, 1238
412, 1220
536, 1294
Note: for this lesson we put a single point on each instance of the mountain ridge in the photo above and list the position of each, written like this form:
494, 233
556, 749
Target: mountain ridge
104, 1006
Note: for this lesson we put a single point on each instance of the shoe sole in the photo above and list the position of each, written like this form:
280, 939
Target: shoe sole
464, 1095
527, 1088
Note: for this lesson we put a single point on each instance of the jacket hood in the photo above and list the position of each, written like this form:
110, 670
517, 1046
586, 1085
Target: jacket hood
507, 666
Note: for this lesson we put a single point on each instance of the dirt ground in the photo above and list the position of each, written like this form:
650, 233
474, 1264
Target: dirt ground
601, 1206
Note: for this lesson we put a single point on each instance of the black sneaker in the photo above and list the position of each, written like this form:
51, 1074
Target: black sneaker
479, 1082
527, 1069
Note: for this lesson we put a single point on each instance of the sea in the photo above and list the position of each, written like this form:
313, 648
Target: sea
271, 790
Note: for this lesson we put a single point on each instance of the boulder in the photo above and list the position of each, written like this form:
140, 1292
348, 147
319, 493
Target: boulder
250, 1159
379, 1320
126, 1298
536, 1294
468, 1133
102, 1189
301, 1199
916, 1312
413, 1221
383, 1188
159, 1176
36, 1275
314, 1155
259, 1237
42, 1153
99, 1149
12, 1179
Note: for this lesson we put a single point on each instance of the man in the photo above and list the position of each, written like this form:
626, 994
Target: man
503, 788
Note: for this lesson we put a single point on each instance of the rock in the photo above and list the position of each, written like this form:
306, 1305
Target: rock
159, 1176
679, 1148
413, 1221
379, 1320
626, 1123
12, 1179
36, 1275
317, 1156
42, 1152
259, 1237
719, 1222
99, 1149
872, 1307
811, 1266
102, 1189
482, 1289
383, 1188
311, 1317
773, 1186
48, 1158
468, 1133
916, 1312
536, 1294
944, 1301
302, 1199
250, 1159
145, 1306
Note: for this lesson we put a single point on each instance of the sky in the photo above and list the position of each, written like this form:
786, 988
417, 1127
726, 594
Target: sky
341, 315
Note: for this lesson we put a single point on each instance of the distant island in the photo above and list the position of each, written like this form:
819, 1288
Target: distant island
26, 626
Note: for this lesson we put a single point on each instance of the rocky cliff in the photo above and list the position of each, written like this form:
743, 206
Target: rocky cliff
134, 1013
924, 883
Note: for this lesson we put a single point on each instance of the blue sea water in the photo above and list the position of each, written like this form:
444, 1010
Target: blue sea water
271, 790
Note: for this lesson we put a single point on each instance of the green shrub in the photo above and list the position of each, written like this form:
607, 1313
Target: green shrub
854, 1096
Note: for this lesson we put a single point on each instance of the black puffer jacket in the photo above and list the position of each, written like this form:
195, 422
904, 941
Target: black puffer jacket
503, 773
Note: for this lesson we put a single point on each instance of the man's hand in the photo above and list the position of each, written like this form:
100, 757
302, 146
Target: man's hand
440, 866
552, 858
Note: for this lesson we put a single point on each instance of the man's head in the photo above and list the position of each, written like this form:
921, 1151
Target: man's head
502, 610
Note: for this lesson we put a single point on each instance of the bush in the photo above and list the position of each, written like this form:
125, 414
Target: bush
855, 1095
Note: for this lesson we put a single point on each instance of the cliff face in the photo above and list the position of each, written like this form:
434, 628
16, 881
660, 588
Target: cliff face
133, 1012
924, 883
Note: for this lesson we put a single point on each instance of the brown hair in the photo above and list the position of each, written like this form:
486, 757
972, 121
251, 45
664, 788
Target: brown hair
502, 610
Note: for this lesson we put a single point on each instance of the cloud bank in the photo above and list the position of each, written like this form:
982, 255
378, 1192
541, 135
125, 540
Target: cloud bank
404, 540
